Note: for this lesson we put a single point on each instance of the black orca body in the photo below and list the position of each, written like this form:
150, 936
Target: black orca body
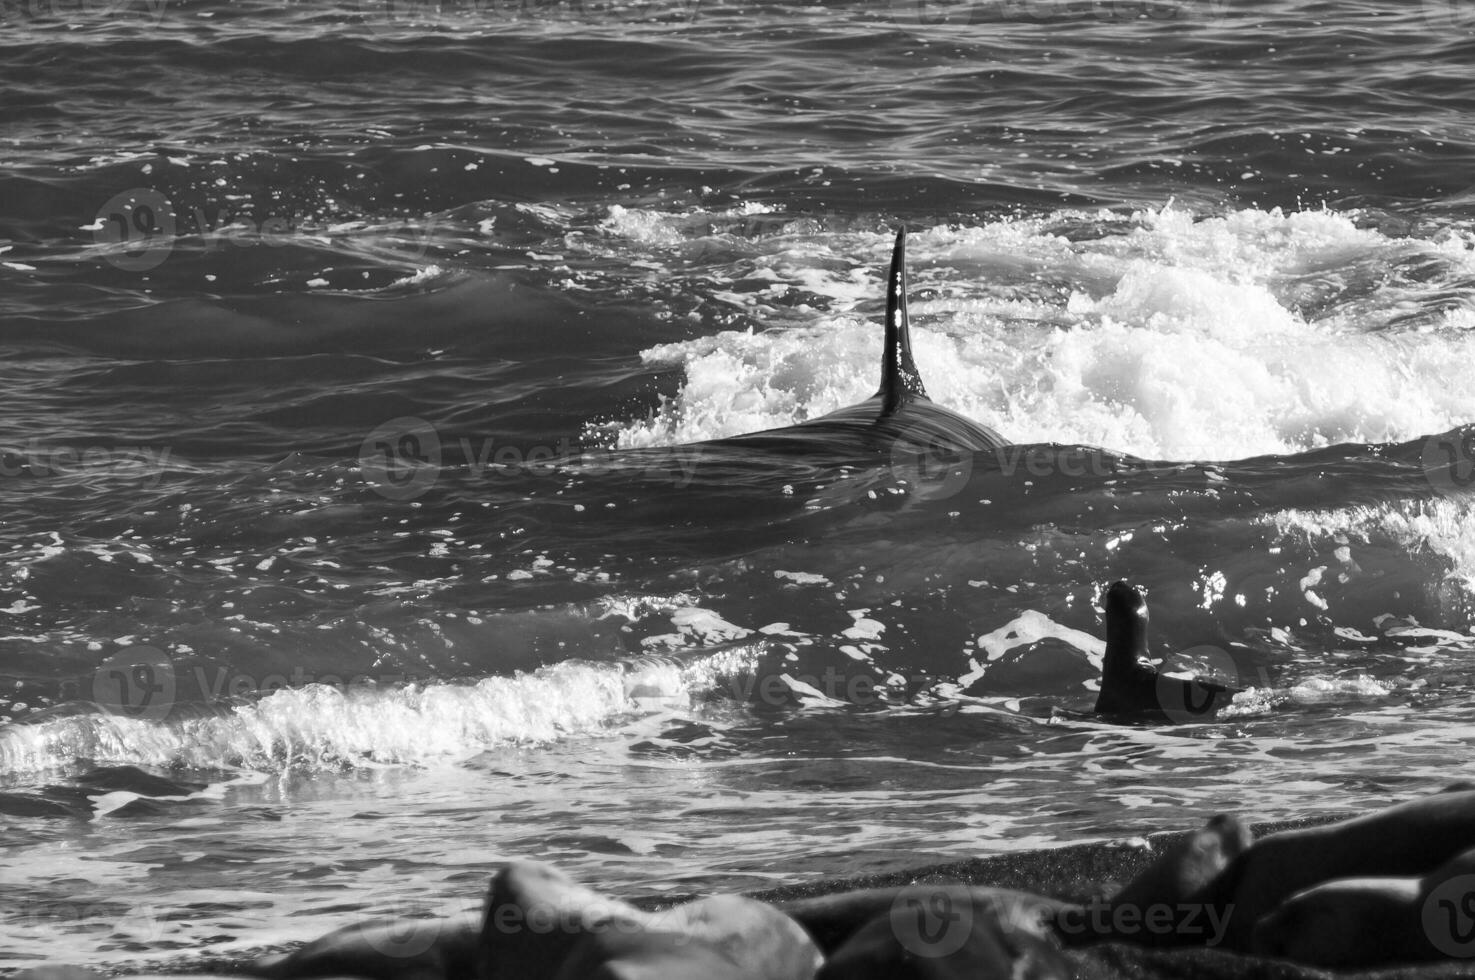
899, 416
1130, 685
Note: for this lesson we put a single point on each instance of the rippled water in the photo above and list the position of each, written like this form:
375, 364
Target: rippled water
345, 555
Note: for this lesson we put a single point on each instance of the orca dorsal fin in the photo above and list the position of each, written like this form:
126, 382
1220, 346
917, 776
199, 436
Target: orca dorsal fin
900, 382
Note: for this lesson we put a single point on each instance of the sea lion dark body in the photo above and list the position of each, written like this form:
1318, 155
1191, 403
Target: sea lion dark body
1411, 839
539, 924
1130, 685
833, 919
1375, 921
950, 933
390, 949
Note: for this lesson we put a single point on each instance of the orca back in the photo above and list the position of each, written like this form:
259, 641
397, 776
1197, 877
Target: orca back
899, 416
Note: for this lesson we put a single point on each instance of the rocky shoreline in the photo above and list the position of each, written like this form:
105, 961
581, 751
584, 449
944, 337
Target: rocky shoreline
1152, 907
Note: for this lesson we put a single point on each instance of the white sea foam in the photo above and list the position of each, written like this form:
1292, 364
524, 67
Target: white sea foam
1440, 525
1176, 338
1029, 627
324, 727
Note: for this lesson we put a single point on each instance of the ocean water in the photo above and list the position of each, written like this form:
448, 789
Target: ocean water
344, 555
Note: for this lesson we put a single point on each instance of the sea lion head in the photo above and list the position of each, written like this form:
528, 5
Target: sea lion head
1126, 623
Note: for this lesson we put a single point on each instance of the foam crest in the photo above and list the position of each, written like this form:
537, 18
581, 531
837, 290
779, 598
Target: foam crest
1250, 245
1440, 525
325, 727
666, 228
740, 382
650, 227
1248, 334
1030, 627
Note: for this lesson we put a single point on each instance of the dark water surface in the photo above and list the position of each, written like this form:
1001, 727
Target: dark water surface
344, 557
